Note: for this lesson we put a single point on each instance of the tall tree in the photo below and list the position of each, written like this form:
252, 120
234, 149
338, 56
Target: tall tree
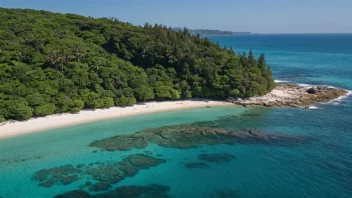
262, 63
79, 53
251, 59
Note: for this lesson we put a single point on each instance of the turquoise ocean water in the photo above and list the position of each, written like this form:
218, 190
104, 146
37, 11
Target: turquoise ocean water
321, 167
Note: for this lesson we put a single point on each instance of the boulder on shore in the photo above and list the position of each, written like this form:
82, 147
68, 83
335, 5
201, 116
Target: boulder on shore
312, 90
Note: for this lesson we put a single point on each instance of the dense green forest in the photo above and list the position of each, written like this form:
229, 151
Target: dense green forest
56, 63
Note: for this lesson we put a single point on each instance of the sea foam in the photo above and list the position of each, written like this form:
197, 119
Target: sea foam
339, 99
305, 85
313, 107
281, 81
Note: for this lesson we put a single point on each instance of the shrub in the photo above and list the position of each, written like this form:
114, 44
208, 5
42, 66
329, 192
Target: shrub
18, 110
125, 101
44, 110
144, 93
76, 106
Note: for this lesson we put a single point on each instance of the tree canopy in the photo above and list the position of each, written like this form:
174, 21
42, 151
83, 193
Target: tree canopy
56, 63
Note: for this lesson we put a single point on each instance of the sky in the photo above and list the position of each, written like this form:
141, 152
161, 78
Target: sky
258, 16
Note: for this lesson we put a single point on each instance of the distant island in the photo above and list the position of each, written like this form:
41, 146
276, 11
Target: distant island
207, 32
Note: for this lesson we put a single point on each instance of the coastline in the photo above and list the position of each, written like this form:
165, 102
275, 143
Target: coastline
16, 128
284, 95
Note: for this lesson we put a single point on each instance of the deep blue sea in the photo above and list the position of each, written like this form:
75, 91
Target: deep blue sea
319, 167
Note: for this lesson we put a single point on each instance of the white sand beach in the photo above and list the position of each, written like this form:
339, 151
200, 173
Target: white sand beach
15, 128
282, 95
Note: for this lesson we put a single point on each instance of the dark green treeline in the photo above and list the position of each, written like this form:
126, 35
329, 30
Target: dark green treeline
56, 63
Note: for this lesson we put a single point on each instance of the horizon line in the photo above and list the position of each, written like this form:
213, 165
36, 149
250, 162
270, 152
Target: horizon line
97, 17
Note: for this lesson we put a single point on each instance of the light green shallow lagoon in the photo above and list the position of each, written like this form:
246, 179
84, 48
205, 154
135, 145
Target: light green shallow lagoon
317, 168
23, 155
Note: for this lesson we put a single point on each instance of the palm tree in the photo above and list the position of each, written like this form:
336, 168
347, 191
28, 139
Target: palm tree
59, 58
35, 41
55, 59
65, 58
98, 61
79, 53
117, 81
21, 56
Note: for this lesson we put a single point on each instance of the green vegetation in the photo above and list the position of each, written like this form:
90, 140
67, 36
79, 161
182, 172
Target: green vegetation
55, 63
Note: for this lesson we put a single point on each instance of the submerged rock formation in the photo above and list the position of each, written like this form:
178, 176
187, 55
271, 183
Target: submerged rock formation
226, 194
217, 158
20, 159
153, 190
190, 136
104, 173
63, 174
293, 96
196, 165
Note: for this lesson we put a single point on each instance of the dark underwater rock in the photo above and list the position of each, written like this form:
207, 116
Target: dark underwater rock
192, 136
109, 173
226, 194
196, 165
104, 173
217, 158
74, 194
152, 191
47, 183
63, 174
20, 160
129, 171
142, 161
148, 152
80, 165
100, 186
126, 143
69, 179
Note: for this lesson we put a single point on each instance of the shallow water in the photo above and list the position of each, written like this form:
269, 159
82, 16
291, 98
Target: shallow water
321, 167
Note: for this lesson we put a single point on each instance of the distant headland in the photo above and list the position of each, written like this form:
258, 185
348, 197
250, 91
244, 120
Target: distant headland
207, 32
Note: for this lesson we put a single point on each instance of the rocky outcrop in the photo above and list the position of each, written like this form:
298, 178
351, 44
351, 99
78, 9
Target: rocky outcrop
291, 95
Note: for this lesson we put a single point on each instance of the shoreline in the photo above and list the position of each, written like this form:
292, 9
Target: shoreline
284, 95
294, 95
15, 128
